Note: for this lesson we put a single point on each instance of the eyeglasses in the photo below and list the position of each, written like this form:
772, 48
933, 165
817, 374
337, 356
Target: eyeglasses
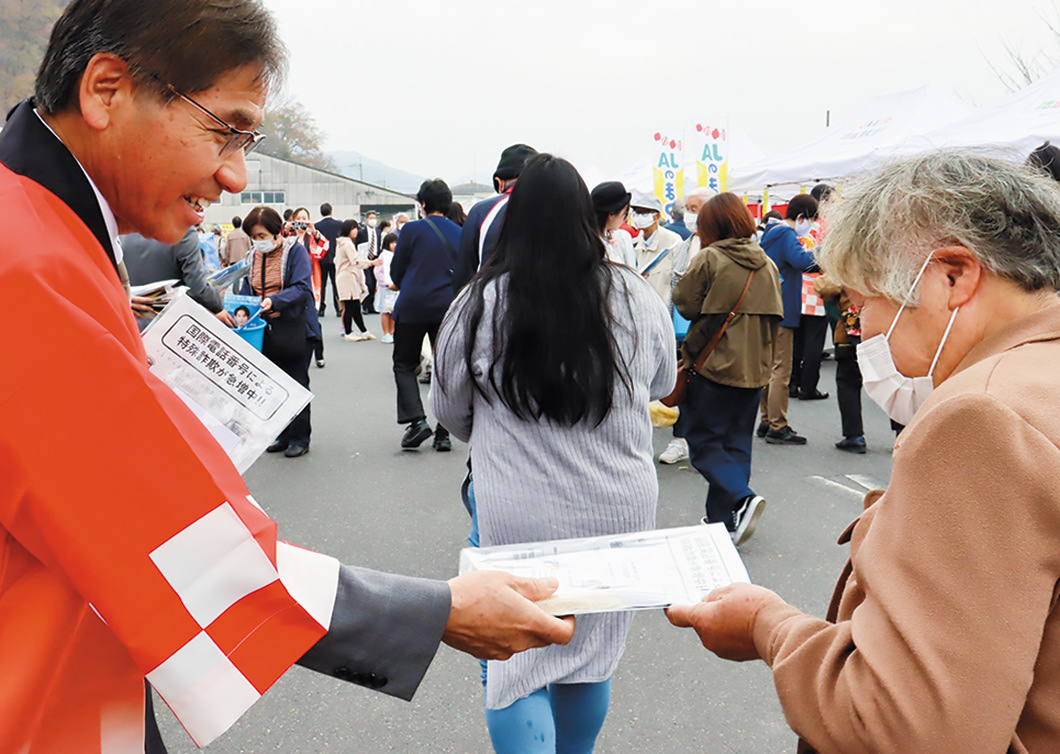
248, 141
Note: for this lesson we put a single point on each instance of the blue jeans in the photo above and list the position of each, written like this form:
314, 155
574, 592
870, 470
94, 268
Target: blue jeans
719, 426
563, 718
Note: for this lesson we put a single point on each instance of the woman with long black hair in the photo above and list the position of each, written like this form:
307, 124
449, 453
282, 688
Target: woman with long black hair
545, 364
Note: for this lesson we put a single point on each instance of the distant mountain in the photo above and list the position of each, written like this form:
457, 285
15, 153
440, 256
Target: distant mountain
359, 167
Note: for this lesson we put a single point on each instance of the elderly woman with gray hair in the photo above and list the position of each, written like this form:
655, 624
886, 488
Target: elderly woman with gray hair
943, 634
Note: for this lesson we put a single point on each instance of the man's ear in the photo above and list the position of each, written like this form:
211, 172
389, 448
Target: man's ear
964, 272
106, 84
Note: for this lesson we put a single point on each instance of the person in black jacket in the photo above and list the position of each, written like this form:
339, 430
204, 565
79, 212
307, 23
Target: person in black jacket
329, 228
482, 226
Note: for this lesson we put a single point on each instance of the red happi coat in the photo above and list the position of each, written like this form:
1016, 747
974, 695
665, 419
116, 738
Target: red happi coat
129, 546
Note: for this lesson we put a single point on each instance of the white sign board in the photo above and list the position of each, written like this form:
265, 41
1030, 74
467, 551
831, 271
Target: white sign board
243, 398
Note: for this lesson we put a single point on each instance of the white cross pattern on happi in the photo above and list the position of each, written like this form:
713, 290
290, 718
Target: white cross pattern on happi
216, 566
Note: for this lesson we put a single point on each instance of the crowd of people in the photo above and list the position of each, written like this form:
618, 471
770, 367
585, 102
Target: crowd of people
549, 341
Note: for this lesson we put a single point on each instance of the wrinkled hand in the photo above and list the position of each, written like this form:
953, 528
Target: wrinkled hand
493, 615
226, 318
725, 619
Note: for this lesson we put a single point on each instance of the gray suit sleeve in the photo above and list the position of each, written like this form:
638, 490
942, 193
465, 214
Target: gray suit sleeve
385, 631
193, 272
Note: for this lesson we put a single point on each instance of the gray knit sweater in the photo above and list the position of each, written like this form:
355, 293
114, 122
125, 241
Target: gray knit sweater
539, 481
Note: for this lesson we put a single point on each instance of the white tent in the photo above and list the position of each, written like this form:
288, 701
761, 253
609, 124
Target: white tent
881, 129
1014, 126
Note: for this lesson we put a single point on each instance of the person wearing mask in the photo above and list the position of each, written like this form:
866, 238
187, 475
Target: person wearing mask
280, 275
611, 202
732, 274
545, 365
328, 227
652, 241
676, 450
483, 224
368, 246
313, 241
781, 243
941, 633
422, 270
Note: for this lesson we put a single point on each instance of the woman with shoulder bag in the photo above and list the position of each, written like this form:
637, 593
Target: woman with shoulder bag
280, 274
731, 284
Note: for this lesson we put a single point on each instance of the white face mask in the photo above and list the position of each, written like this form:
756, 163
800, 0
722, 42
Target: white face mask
264, 246
803, 227
643, 221
372, 222
899, 396
691, 221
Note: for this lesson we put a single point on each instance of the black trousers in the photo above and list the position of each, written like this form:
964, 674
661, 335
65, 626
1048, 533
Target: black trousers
328, 271
848, 388
369, 301
809, 345
298, 431
408, 345
351, 312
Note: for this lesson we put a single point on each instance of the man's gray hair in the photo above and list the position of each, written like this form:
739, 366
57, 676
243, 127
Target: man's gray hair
888, 222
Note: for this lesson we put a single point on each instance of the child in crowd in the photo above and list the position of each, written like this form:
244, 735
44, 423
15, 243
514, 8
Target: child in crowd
386, 292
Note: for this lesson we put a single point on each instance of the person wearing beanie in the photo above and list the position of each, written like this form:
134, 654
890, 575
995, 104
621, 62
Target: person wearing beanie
482, 227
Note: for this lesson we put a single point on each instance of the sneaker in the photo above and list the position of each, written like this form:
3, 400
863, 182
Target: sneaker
763, 429
853, 444
675, 452
350, 337
414, 436
320, 363
784, 436
387, 338
367, 336
745, 518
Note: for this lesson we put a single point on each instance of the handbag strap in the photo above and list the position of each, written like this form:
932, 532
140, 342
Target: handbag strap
448, 246
707, 349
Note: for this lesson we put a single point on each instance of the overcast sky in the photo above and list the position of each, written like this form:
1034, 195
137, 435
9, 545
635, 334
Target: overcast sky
440, 88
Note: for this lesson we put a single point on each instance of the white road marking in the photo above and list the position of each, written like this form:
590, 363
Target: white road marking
859, 494
867, 482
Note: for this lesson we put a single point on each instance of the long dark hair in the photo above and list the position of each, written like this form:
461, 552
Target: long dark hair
554, 355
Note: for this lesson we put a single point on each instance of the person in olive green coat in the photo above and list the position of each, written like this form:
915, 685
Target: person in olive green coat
719, 413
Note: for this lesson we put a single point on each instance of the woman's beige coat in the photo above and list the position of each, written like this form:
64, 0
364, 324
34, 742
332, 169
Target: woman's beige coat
944, 634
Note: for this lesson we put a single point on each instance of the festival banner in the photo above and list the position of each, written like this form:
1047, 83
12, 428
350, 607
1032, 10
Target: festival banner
710, 145
668, 175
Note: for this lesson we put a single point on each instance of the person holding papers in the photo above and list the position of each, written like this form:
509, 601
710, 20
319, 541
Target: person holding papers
164, 569
652, 263
942, 635
545, 363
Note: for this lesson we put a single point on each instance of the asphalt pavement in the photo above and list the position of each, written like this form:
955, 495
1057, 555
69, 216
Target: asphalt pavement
359, 497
